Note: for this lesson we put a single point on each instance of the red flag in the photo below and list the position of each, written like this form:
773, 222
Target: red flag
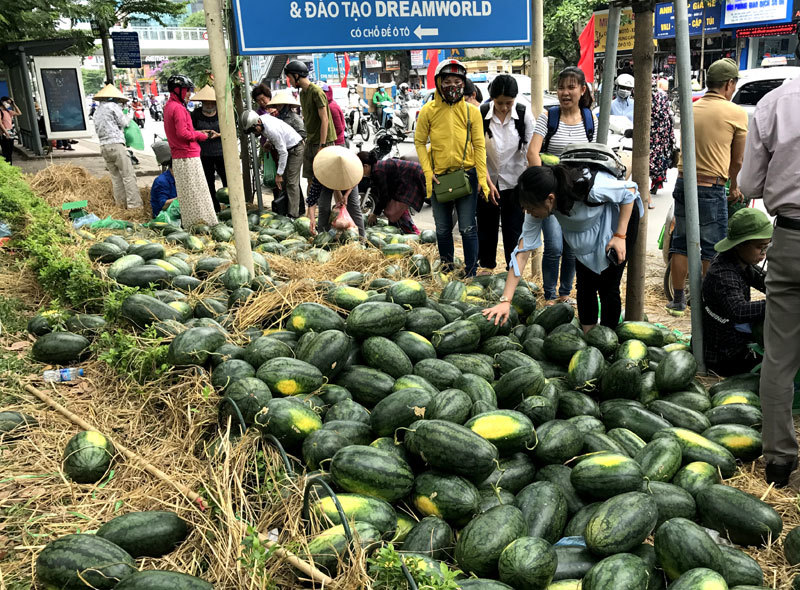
346, 70
139, 90
120, 88
586, 62
433, 57
153, 88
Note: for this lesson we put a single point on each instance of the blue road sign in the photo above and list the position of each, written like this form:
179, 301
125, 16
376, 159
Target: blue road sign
126, 49
358, 25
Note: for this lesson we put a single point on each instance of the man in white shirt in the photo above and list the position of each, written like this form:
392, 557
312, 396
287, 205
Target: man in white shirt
109, 124
508, 128
290, 148
770, 171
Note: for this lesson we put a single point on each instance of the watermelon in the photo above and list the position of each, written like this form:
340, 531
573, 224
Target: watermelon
372, 472
289, 376
383, 354
60, 348
458, 336
399, 409
586, 367
347, 297
451, 497
431, 536
604, 339
236, 276
453, 448
407, 292
368, 386
375, 319
695, 447
791, 546
559, 441
150, 579
313, 317
146, 534
544, 509
519, 383
320, 446
424, 321
193, 346
288, 420
555, 315
648, 333
359, 508
672, 501
507, 430
621, 523
681, 545
511, 474
87, 457
560, 476
439, 373
264, 348
415, 346
695, 476
622, 570
72, 562
743, 518
621, 380
452, 405
483, 540
14, 423
700, 578
331, 546
527, 563
740, 569
676, 371
605, 475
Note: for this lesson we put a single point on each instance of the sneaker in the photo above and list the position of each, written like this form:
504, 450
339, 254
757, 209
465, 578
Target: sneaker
778, 473
676, 309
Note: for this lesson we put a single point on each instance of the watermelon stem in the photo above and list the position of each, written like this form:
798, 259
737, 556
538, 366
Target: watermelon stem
317, 480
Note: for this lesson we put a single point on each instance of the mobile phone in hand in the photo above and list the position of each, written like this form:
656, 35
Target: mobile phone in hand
612, 256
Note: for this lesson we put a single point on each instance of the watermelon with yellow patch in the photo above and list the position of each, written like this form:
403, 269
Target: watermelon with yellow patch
604, 475
87, 457
289, 376
289, 420
510, 431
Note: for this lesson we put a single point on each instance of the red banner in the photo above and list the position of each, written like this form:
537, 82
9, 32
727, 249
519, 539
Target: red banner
586, 62
346, 70
433, 57
139, 90
153, 88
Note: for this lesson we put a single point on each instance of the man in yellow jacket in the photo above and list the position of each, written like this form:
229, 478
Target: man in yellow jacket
455, 131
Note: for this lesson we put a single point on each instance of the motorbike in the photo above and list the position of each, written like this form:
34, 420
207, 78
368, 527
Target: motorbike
92, 109
399, 123
156, 112
385, 144
357, 123
138, 116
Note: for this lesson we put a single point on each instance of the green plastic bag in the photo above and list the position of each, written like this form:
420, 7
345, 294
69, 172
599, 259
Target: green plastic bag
171, 215
133, 136
110, 223
270, 170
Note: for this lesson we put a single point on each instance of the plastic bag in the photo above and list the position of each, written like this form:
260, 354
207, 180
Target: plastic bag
171, 215
85, 220
270, 170
110, 223
343, 221
133, 136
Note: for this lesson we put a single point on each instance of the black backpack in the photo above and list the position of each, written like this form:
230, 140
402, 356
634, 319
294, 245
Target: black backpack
519, 122
554, 118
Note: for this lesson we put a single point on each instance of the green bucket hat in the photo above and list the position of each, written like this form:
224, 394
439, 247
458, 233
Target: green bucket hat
745, 224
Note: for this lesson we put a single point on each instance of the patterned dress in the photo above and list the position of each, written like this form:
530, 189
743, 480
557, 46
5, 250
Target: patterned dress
662, 139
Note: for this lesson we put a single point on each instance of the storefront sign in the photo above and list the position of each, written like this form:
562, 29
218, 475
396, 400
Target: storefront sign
665, 18
417, 58
626, 31
738, 12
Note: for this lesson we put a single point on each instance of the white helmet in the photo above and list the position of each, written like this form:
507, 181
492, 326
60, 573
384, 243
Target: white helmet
451, 66
248, 120
403, 86
625, 80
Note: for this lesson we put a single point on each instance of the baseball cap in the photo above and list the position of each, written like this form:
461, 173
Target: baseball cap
746, 224
722, 70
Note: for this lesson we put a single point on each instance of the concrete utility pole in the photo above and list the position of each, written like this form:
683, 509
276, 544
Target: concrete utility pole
537, 57
227, 126
609, 71
642, 107
689, 159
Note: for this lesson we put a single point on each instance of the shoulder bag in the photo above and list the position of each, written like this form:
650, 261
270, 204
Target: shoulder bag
455, 184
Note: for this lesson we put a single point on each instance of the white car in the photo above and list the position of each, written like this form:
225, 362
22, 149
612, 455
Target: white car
754, 84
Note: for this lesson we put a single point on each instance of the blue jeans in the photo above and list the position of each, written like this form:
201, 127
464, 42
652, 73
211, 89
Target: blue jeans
712, 208
465, 210
556, 251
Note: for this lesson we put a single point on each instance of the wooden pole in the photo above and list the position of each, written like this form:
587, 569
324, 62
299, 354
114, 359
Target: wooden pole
196, 499
642, 106
537, 57
227, 126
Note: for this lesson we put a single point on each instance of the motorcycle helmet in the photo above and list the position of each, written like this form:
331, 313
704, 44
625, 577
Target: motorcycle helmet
624, 86
179, 81
451, 67
297, 68
248, 120
403, 87
383, 144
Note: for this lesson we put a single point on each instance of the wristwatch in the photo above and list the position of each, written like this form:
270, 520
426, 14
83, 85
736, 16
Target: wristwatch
504, 299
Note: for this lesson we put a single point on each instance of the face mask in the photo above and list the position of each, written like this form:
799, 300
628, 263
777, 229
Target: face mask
623, 93
452, 94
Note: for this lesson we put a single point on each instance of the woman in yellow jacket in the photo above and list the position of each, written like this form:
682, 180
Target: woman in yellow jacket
450, 123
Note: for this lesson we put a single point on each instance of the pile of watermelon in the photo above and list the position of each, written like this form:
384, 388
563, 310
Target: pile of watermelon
527, 455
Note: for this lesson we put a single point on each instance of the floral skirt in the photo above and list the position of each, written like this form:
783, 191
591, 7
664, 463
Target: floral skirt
190, 182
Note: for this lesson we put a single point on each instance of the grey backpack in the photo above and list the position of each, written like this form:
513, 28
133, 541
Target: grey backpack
595, 156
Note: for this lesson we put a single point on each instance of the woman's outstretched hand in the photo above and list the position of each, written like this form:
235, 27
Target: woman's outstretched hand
499, 313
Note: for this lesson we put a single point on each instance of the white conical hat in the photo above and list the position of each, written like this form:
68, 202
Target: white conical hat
205, 94
284, 97
110, 91
338, 168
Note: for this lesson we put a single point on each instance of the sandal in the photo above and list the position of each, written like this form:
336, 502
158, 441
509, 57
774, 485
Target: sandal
483, 272
549, 302
566, 299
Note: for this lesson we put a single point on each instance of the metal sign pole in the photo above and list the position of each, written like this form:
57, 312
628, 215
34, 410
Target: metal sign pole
683, 68
253, 141
609, 71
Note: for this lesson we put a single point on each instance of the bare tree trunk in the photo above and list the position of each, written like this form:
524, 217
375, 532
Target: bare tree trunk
642, 71
404, 57
239, 105
108, 62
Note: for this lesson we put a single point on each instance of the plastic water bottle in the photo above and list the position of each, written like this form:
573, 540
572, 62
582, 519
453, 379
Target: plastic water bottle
59, 375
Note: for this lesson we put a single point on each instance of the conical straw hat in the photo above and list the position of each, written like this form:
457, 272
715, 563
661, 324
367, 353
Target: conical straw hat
337, 168
205, 94
284, 97
110, 91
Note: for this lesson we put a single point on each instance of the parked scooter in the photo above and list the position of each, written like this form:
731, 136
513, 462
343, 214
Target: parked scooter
356, 123
138, 115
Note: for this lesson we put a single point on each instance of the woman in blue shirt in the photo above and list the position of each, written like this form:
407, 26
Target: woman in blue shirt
599, 216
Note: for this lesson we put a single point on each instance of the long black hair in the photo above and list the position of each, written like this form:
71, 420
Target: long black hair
504, 85
566, 183
577, 74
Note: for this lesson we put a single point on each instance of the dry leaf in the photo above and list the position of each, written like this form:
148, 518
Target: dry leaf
21, 345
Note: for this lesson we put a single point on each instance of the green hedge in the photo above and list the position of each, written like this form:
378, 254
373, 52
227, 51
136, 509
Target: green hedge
41, 232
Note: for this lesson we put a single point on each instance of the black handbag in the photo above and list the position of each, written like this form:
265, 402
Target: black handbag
280, 204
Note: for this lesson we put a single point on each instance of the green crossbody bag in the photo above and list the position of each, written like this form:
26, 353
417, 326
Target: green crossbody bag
455, 184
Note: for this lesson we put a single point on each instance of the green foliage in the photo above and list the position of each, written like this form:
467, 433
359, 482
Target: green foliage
12, 319
255, 557
41, 233
94, 80
196, 19
141, 358
23, 20
112, 305
384, 568
563, 22
198, 68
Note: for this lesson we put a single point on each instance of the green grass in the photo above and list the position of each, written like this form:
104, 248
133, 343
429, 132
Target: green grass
12, 315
